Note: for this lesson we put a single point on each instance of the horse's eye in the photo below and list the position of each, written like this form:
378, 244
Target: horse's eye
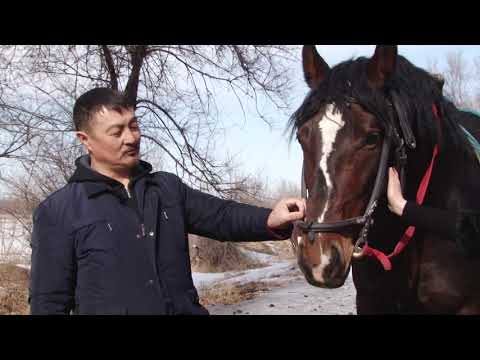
372, 139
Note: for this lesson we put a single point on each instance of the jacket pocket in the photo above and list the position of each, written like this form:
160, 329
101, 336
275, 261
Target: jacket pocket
173, 230
97, 235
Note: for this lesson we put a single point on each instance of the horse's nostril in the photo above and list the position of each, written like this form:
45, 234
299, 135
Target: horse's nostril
336, 257
334, 267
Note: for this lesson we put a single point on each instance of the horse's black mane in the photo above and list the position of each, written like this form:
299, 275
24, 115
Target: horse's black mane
417, 90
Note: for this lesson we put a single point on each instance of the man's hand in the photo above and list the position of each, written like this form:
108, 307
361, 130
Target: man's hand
285, 212
396, 202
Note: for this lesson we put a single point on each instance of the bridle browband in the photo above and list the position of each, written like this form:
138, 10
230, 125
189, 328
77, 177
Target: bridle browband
398, 134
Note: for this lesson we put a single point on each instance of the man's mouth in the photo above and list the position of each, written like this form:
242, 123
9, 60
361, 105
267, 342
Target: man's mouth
133, 152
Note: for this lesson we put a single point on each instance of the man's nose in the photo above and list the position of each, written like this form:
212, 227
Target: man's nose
130, 137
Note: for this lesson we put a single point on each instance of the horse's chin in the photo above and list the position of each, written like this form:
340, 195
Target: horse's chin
332, 283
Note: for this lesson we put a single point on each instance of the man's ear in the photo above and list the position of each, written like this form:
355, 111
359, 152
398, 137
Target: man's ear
84, 138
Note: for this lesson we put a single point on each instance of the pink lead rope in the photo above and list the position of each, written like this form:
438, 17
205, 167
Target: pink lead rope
405, 240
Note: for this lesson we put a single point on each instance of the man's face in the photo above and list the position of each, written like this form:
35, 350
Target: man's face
113, 139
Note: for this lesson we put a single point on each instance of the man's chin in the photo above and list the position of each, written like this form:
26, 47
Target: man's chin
130, 162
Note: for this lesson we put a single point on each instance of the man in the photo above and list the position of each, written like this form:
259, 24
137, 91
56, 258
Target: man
114, 239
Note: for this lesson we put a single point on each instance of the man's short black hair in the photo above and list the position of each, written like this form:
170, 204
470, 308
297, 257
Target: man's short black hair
93, 100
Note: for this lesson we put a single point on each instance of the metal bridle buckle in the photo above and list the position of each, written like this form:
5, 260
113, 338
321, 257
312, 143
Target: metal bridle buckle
358, 252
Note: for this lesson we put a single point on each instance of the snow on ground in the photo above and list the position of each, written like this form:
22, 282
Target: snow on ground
23, 266
273, 272
294, 297
258, 256
207, 279
289, 292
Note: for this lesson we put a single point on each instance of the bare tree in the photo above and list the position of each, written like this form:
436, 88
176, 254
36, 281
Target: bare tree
476, 64
286, 189
15, 128
457, 78
460, 80
173, 87
47, 169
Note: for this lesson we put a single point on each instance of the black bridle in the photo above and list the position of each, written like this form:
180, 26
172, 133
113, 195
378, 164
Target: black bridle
398, 134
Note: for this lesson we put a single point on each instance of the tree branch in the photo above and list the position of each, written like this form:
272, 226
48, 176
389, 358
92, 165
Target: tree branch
110, 67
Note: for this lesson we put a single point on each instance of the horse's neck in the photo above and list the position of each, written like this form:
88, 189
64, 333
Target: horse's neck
449, 179
435, 261
454, 183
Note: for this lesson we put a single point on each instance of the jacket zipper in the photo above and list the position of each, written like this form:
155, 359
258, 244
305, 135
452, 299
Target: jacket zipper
142, 225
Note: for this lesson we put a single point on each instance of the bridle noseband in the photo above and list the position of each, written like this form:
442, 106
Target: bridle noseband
398, 134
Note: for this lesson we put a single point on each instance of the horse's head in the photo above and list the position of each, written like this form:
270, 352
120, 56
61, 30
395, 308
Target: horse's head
341, 138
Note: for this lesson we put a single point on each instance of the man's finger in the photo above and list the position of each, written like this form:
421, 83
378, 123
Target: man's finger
293, 216
291, 201
299, 203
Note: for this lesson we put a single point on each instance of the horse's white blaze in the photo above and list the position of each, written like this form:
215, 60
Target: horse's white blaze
330, 124
317, 271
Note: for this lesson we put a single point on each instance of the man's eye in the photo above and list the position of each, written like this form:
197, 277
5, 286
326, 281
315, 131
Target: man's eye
117, 134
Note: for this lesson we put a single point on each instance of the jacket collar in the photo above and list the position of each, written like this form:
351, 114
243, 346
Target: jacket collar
96, 183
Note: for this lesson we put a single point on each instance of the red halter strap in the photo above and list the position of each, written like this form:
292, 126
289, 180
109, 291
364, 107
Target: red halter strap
409, 233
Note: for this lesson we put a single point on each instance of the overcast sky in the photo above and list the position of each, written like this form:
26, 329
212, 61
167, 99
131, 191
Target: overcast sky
266, 151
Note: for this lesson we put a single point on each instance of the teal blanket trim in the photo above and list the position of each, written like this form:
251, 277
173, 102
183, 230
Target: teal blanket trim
475, 144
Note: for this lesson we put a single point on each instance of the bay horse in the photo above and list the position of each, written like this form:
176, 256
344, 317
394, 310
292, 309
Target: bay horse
360, 117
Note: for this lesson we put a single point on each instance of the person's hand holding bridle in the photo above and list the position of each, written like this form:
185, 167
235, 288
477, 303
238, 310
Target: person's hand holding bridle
285, 212
396, 201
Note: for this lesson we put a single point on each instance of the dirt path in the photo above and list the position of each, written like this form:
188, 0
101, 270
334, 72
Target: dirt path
296, 297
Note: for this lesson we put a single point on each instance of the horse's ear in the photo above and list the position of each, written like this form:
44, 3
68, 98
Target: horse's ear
314, 67
440, 81
382, 65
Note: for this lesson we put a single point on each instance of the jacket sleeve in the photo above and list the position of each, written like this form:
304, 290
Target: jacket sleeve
53, 270
438, 221
462, 227
227, 220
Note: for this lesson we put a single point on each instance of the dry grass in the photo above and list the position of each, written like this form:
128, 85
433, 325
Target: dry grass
230, 294
209, 256
14, 282
215, 257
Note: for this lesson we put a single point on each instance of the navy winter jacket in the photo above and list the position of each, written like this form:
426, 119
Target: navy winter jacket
100, 249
